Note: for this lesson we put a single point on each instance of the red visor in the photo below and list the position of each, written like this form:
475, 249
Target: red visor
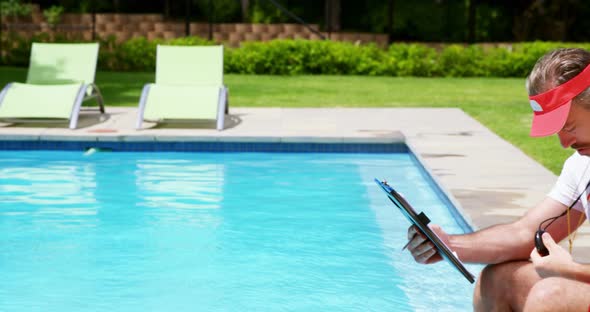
552, 107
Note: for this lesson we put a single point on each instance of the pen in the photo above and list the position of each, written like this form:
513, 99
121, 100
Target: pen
405, 246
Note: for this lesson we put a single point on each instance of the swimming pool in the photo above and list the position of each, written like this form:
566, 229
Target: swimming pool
216, 231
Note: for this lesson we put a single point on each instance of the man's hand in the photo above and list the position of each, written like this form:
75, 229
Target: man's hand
421, 248
556, 263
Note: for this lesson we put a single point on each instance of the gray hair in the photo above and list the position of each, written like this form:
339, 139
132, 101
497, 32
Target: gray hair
556, 68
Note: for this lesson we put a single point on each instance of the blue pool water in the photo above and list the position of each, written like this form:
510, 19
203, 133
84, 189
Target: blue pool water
216, 232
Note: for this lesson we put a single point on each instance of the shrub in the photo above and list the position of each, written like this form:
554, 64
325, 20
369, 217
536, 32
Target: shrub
136, 54
412, 60
497, 62
279, 57
53, 15
15, 8
295, 57
345, 58
191, 41
459, 61
20, 48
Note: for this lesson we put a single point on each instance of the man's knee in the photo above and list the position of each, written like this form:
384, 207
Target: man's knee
496, 278
488, 290
545, 295
503, 286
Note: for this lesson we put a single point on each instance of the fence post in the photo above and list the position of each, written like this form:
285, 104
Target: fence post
187, 15
210, 20
471, 21
328, 17
390, 9
93, 4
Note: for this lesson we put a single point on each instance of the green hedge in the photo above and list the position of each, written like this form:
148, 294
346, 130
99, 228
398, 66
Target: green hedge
295, 57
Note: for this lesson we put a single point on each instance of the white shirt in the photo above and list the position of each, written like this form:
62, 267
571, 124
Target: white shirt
572, 181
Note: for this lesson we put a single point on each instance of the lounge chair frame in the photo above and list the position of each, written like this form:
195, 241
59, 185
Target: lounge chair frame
80, 98
222, 107
87, 91
222, 98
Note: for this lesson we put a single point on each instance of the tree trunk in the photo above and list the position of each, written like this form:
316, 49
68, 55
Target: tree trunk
565, 19
187, 18
166, 9
245, 10
333, 15
471, 15
390, 9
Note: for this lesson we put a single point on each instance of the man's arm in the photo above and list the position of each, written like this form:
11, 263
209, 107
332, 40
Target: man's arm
499, 243
580, 272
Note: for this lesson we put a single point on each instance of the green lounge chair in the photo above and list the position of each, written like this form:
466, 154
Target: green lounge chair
60, 78
189, 86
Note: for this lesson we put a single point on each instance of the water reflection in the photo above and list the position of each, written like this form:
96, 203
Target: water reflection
179, 184
56, 189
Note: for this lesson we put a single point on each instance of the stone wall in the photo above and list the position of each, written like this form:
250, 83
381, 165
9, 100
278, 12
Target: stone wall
152, 26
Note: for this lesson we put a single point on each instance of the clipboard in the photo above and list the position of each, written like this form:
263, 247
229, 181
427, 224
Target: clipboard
421, 221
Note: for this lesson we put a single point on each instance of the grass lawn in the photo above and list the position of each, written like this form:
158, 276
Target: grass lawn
500, 104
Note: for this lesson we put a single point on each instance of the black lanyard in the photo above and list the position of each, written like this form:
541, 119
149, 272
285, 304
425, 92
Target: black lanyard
565, 212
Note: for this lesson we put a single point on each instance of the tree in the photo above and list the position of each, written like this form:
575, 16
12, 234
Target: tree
333, 10
166, 8
245, 9
545, 20
471, 20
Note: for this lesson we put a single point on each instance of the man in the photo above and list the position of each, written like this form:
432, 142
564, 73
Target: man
517, 277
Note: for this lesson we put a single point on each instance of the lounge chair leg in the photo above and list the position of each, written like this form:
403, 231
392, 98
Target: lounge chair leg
99, 98
221, 107
142, 101
226, 100
76, 110
4, 91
